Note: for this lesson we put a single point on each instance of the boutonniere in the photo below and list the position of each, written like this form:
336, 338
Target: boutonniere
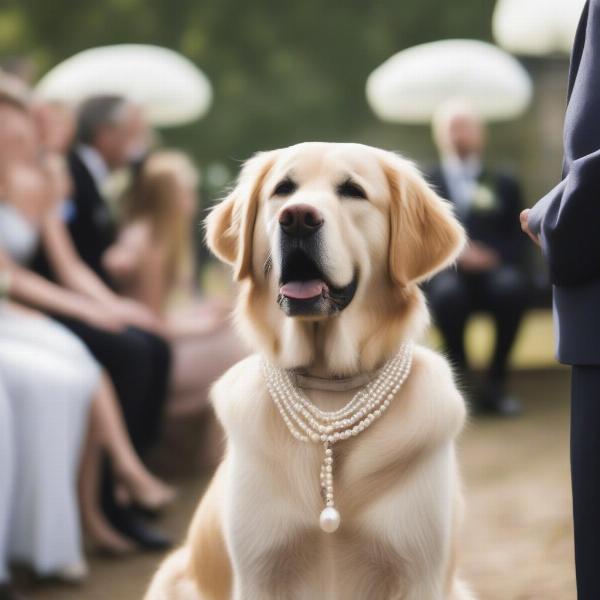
484, 198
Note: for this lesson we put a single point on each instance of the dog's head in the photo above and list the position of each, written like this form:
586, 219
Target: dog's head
330, 242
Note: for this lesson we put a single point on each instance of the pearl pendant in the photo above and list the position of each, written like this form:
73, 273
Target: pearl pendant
329, 519
308, 423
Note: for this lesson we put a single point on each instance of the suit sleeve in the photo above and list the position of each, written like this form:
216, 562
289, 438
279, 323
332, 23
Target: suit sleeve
569, 224
568, 218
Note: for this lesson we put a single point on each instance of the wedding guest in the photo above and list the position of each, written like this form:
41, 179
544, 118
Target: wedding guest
153, 253
565, 224
137, 358
489, 274
106, 431
152, 262
32, 189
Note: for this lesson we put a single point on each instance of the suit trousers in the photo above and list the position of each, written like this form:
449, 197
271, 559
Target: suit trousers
454, 296
585, 474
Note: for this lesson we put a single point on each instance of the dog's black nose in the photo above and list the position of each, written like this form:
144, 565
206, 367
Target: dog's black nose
300, 220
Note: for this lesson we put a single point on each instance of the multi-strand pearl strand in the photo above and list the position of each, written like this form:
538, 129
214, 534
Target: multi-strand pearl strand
308, 423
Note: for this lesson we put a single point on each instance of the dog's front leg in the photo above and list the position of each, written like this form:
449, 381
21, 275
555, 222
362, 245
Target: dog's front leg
264, 534
412, 524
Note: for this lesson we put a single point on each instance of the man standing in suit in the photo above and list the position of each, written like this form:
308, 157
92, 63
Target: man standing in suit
566, 224
489, 274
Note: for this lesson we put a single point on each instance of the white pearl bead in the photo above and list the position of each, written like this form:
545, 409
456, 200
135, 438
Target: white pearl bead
329, 519
307, 423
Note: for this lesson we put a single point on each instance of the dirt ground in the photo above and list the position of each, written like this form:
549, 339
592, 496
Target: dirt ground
518, 539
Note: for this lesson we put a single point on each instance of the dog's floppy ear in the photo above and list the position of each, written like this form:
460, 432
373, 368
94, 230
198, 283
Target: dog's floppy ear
230, 224
425, 236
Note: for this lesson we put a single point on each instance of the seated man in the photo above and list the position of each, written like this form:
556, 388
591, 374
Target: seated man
488, 276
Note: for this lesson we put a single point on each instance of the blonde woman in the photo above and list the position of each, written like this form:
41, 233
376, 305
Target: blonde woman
153, 263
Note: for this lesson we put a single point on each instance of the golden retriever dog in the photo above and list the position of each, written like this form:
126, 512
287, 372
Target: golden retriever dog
329, 243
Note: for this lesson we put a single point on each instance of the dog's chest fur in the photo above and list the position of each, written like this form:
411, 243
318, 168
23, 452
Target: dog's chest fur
383, 482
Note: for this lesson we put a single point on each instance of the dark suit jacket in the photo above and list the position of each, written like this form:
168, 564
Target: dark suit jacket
568, 218
92, 227
496, 226
90, 224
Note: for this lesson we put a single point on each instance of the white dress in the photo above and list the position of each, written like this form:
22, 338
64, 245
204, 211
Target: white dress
6, 479
49, 378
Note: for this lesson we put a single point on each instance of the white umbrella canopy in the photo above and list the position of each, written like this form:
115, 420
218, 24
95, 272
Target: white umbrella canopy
171, 89
537, 27
411, 85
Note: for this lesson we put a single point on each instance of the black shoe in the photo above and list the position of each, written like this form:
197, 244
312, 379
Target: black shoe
8, 592
492, 401
131, 525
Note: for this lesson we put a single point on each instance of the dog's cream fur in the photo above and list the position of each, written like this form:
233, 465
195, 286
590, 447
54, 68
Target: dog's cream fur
255, 535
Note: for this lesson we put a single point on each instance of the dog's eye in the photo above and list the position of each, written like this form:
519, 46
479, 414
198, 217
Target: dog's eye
285, 188
350, 189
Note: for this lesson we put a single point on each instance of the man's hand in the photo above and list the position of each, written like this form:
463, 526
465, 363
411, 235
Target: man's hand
478, 257
525, 227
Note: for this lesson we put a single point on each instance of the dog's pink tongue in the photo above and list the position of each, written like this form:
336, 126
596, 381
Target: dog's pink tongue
302, 290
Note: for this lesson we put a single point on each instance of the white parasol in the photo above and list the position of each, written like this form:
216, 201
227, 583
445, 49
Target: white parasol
411, 85
172, 90
537, 27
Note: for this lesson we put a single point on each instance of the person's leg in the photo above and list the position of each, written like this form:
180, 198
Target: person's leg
585, 474
108, 429
102, 534
127, 360
107, 433
159, 355
449, 299
504, 295
130, 361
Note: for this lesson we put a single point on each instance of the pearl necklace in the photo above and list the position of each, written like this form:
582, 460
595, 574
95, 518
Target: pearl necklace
307, 423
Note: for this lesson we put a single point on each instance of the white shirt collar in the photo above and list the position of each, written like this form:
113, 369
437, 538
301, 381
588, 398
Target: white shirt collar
461, 178
95, 164
457, 167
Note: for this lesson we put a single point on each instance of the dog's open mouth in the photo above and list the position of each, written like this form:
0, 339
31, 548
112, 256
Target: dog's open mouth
301, 278
305, 291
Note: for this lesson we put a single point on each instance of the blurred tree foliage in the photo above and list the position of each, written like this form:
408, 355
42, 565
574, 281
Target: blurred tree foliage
283, 72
